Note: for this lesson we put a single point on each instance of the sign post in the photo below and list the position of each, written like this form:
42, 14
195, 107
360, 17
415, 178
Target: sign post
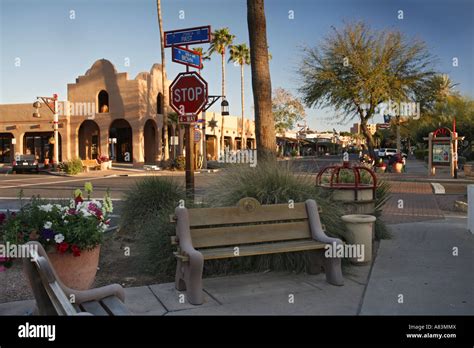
188, 96
188, 92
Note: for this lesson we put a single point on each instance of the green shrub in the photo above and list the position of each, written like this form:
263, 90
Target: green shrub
420, 154
270, 183
145, 219
73, 166
382, 196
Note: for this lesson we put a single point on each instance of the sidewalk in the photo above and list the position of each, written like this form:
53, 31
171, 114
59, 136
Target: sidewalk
417, 263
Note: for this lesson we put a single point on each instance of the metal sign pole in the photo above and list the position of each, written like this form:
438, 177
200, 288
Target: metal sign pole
189, 158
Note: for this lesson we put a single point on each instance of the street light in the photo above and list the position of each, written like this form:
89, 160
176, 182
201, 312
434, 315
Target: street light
54, 109
224, 107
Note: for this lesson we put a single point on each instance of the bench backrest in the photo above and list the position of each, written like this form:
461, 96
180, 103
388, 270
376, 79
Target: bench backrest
248, 222
50, 298
90, 162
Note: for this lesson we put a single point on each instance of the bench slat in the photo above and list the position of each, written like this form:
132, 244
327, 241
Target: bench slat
93, 307
114, 306
231, 215
235, 235
260, 249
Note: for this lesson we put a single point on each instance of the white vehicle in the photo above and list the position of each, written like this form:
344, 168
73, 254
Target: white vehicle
389, 152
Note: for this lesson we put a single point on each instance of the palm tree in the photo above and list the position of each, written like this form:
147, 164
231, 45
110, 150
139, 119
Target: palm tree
164, 101
240, 54
204, 56
261, 82
221, 40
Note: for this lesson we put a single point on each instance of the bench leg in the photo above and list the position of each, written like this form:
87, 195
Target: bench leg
189, 278
332, 267
179, 278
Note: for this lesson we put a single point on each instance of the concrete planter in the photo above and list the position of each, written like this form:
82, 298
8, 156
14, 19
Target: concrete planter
397, 167
363, 194
106, 165
361, 234
76, 272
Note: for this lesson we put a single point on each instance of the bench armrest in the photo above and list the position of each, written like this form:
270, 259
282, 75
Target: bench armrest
183, 233
96, 294
315, 226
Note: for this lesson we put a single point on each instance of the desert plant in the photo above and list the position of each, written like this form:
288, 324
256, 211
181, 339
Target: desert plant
73, 166
270, 183
382, 196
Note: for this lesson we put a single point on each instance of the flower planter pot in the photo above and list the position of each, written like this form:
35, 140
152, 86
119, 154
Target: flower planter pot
76, 272
360, 231
397, 167
363, 194
106, 165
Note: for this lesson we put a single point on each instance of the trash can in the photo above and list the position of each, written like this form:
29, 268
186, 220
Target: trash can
359, 238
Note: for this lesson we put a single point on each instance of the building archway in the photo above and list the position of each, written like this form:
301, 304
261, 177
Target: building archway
150, 135
121, 145
89, 140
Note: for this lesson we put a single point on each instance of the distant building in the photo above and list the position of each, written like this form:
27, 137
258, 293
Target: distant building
356, 129
108, 114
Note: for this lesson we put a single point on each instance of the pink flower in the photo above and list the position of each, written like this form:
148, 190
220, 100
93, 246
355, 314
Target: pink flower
75, 250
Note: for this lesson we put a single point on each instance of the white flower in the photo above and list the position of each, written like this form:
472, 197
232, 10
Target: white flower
102, 227
46, 207
47, 225
59, 238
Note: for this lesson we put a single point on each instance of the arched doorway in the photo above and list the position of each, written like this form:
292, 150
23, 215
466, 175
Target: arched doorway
150, 134
121, 145
89, 140
6, 147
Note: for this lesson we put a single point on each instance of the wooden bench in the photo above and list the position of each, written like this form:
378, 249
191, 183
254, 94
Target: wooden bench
245, 230
90, 163
54, 298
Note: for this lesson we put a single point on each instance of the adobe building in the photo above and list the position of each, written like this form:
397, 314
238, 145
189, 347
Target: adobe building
107, 114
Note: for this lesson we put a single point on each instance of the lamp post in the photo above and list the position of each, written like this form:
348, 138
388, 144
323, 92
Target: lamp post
54, 109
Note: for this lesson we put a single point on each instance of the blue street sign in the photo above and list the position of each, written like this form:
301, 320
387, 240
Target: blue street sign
187, 36
187, 57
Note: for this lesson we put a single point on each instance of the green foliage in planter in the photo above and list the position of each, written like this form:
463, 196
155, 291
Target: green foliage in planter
72, 167
421, 153
269, 183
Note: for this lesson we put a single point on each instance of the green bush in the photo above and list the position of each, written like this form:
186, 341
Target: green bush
421, 153
382, 196
72, 167
270, 183
145, 219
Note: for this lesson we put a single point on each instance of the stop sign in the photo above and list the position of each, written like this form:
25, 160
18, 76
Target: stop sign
188, 94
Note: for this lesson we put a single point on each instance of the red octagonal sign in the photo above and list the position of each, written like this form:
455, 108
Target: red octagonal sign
188, 95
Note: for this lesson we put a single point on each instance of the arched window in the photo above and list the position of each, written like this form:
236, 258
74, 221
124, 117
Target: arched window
159, 103
103, 101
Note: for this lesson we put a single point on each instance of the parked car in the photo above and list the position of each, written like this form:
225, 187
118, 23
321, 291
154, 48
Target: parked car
25, 163
389, 152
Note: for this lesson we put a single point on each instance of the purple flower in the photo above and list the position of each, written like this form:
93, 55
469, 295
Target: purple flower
47, 233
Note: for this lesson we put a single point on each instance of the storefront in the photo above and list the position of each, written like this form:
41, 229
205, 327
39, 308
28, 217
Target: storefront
5, 147
40, 144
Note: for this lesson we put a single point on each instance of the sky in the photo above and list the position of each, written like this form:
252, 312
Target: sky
44, 45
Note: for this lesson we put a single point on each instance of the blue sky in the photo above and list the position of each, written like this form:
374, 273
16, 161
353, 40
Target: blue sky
54, 49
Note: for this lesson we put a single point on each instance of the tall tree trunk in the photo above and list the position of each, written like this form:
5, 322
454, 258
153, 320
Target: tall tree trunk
223, 95
368, 137
242, 138
164, 102
261, 82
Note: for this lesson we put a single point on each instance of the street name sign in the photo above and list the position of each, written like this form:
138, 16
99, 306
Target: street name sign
188, 95
188, 36
187, 57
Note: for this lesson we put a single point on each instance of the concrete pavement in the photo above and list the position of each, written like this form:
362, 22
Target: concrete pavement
418, 263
